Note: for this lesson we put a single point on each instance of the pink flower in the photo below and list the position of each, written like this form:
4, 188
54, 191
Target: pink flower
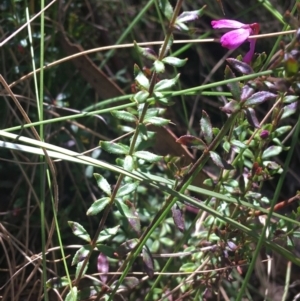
234, 38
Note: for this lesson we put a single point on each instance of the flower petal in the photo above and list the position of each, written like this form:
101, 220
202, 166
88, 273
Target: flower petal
235, 38
248, 56
227, 24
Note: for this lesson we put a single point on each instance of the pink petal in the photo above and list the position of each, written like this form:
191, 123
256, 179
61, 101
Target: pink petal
248, 56
227, 24
254, 30
235, 38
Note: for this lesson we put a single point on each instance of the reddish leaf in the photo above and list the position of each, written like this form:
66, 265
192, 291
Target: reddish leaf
231, 107
252, 119
259, 97
178, 218
148, 262
192, 141
247, 91
126, 247
239, 66
102, 266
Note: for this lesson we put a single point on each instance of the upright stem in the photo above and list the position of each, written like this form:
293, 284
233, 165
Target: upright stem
132, 147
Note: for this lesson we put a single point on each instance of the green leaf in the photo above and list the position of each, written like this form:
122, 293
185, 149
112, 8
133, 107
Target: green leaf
161, 98
127, 189
159, 66
98, 206
79, 231
166, 8
189, 16
272, 165
124, 115
114, 148
79, 267
272, 151
142, 80
103, 184
290, 98
206, 128
259, 97
258, 63
167, 241
81, 254
289, 110
219, 161
239, 144
226, 146
129, 163
131, 215
108, 251
146, 52
166, 83
128, 283
174, 61
153, 112
72, 294
141, 96
124, 209
57, 282
87, 292
147, 156
282, 130
107, 233
158, 121
134, 222
181, 26
234, 87
291, 66
188, 267
136, 70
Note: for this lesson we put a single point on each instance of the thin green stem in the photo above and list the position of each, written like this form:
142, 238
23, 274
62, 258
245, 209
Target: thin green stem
42, 160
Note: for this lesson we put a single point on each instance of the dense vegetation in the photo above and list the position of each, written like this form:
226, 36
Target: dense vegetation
155, 154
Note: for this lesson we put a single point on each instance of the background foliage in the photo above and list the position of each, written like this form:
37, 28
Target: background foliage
212, 238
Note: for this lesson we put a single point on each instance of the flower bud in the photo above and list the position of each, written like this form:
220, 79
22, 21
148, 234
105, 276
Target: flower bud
264, 134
